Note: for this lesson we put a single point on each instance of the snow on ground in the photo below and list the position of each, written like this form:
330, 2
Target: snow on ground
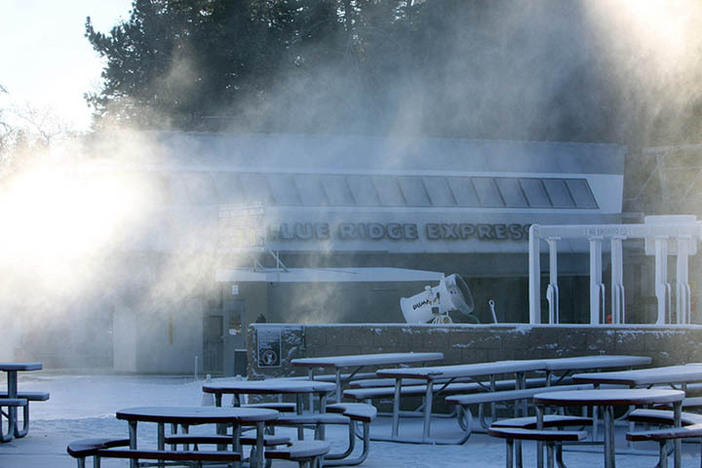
83, 406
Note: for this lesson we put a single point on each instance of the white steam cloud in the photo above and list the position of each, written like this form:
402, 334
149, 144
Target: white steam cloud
76, 228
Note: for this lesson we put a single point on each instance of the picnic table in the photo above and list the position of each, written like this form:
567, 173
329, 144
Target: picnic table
340, 414
571, 364
447, 374
298, 388
607, 399
490, 371
667, 375
358, 362
188, 416
12, 369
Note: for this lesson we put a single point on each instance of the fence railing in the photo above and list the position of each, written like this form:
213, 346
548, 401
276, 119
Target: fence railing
663, 235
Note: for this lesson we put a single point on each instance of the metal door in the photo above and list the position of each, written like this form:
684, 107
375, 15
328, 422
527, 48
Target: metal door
213, 332
235, 336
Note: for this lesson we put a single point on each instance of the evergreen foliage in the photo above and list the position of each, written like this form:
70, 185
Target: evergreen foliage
458, 68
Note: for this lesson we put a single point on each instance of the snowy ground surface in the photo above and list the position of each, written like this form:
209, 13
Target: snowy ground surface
83, 406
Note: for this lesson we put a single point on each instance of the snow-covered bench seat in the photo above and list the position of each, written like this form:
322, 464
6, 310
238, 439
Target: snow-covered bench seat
463, 402
11, 403
550, 438
29, 397
269, 440
662, 436
118, 448
478, 386
337, 414
690, 403
306, 453
661, 417
549, 421
332, 377
367, 390
81, 449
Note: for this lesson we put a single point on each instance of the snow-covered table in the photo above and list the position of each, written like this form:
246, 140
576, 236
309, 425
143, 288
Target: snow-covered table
608, 399
668, 375
189, 416
594, 362
11, 369
358, 362
299, 388
490, 371
446, 374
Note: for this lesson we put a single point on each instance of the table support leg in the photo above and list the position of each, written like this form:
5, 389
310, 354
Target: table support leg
299, 406
259, 445
338, 385
322, 409
609, 448
236, 441
493, 408
12, 410
310, 375
539, 444
160, 436
428, 398
396, 408
510, 453
133, 442
677, 454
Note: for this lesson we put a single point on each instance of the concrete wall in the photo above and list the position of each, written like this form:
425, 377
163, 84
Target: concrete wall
470, 343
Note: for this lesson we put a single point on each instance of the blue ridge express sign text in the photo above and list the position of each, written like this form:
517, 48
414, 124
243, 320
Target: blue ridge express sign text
301, 231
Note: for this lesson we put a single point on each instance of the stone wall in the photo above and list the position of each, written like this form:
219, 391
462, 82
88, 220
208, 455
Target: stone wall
462, 344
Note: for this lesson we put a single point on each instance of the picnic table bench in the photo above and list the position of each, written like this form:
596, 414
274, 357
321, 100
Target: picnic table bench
608, 399
119, 448
662, 436
465, 417
552, 439
28, 396
189, 416
344, 414
11, 397
292, 415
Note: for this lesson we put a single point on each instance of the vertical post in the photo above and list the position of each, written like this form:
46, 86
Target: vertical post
595, 280
661, 277
337, 380
682, 285
428, 399
132, 441
396, 408
534, 276
552, 291
618, 302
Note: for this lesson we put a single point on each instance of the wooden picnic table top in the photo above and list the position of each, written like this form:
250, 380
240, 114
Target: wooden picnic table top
355, 360
642, 377
617, 396
20, 366
463, 370
269, 387
196, 414
509, 367
596, 362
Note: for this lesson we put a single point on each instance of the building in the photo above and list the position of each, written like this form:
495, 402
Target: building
336, 229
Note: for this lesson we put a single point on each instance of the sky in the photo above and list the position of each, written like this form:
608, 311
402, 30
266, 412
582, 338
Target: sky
46, 62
